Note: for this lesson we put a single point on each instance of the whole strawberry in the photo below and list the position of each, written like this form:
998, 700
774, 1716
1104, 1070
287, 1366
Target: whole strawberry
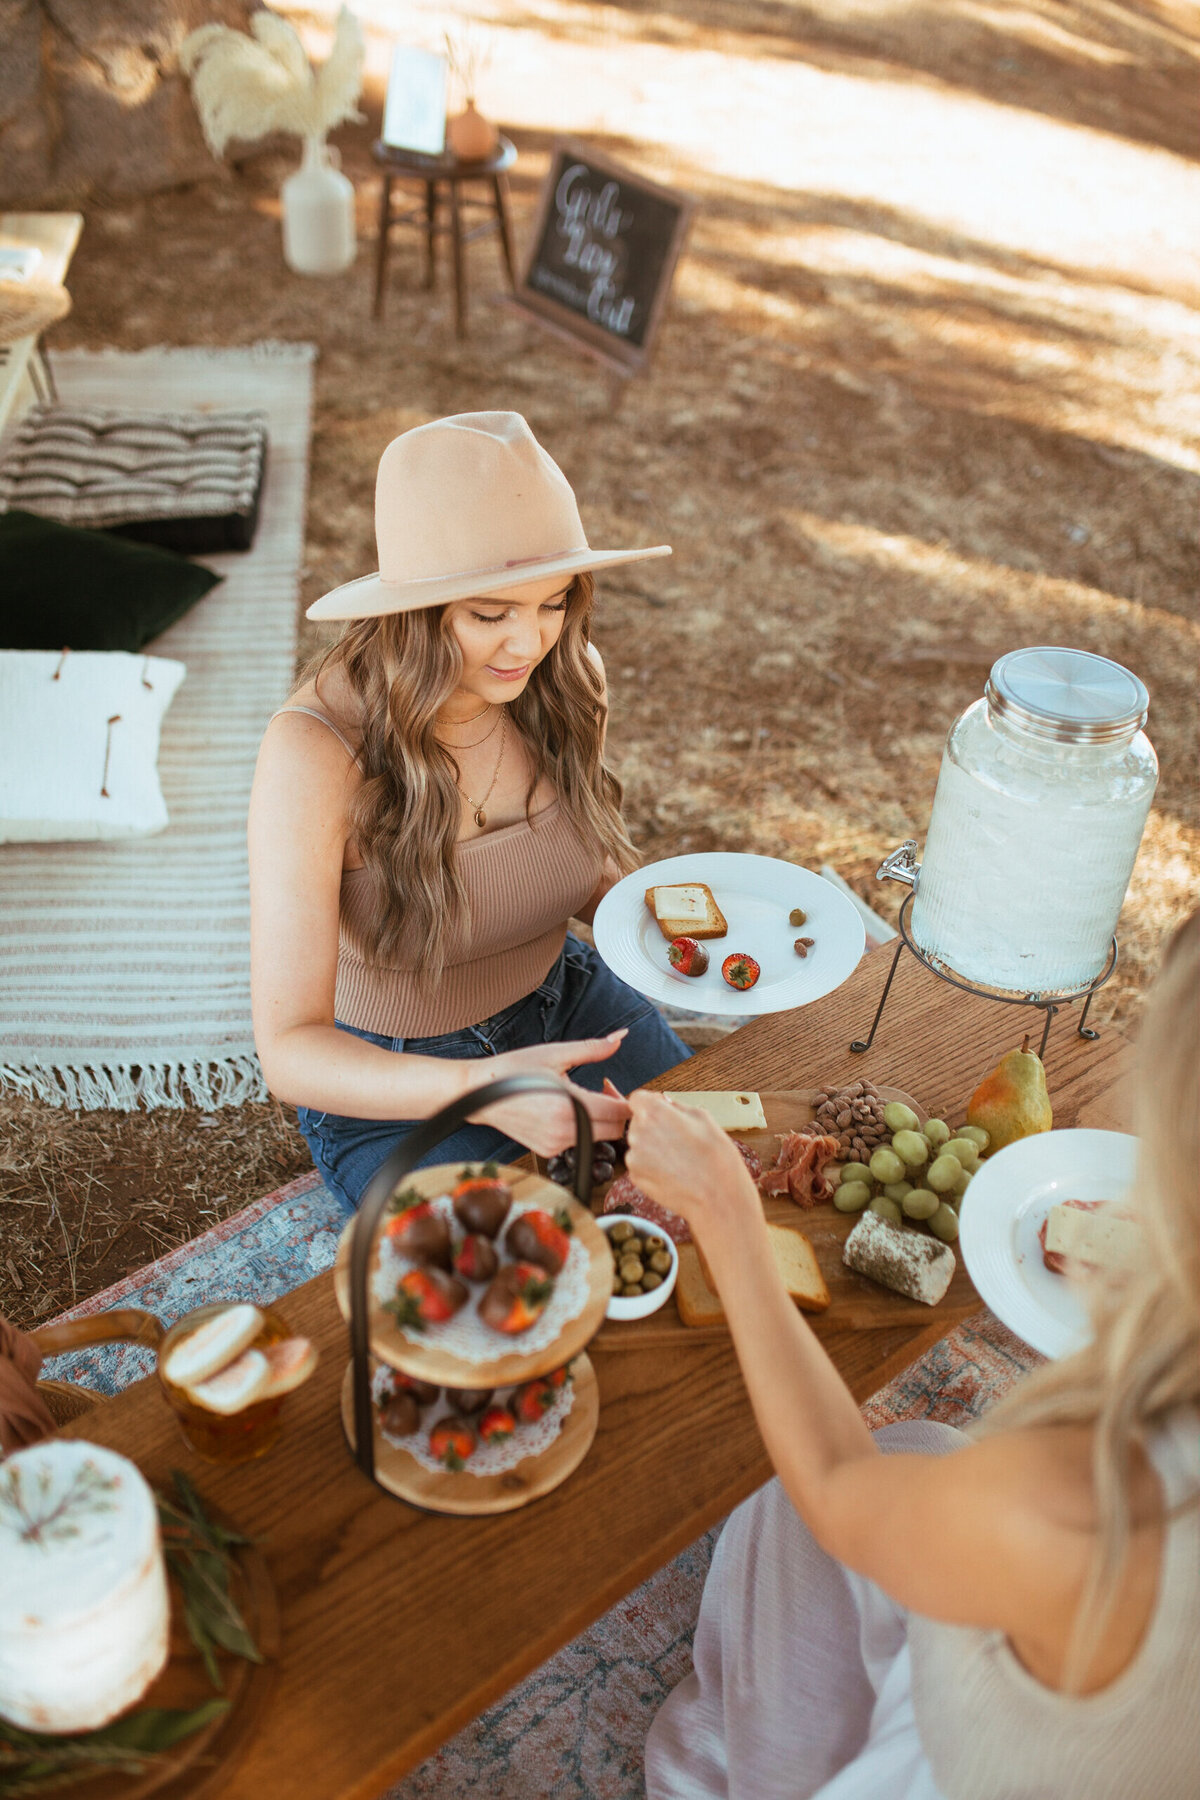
540, 1237
452, 1441
481, 1200
686, 956
426, 1297
476, 1258
740, 971
516, 1298
537, 1397
533, 1399
417, 1231
497, 1424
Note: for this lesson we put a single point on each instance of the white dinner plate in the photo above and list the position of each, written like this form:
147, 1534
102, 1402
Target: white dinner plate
1003, 1211
756, 894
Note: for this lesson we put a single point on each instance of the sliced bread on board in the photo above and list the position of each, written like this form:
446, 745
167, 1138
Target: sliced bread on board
686, 909
795, 1259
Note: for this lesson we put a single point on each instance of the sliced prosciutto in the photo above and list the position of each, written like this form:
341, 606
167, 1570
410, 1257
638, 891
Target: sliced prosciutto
798, 1171
624, 1196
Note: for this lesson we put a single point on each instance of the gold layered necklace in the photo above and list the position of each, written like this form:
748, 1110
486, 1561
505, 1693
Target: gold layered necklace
477, 806
438, 720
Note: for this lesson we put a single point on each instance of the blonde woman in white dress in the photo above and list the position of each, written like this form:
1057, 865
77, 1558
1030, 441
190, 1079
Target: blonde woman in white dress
922, 1615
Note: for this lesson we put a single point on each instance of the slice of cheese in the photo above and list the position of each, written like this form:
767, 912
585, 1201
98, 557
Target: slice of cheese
732, 1111
681, 903
1105, 1239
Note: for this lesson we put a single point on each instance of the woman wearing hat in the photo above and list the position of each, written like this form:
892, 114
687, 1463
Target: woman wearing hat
431, 808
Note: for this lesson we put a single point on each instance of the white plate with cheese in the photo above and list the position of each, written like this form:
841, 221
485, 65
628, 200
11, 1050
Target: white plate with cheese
755, 894
1003, 1211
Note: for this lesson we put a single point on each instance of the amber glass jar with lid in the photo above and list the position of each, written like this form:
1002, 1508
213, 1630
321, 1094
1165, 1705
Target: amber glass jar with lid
1041, 801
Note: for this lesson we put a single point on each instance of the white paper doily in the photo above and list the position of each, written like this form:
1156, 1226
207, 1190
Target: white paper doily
495, 1458
465, 1334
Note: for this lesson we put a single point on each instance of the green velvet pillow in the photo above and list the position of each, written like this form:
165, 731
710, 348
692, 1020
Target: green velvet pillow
63, 588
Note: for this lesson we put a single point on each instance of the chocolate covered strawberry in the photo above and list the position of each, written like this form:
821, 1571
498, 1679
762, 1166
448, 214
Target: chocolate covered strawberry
687, 957
476, 1258
534, 1398
740, 971
400, 1415
423, 1392
426, 1297
540, 1237
497, 1425
417, 1231
472, 1400
481, 1200
516, 1298
452, 1441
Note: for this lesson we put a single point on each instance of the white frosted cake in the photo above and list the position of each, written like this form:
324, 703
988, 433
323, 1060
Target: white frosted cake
83, 1593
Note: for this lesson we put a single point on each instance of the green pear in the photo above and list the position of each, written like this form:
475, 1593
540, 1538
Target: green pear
1012, 1102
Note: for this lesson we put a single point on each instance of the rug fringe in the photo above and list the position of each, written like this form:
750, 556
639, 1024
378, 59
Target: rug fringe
124, 1087
265, 350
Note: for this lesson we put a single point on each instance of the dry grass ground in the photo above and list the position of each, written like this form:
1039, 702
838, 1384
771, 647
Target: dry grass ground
925, 393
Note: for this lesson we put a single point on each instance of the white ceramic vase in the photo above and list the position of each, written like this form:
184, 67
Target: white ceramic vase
318, 214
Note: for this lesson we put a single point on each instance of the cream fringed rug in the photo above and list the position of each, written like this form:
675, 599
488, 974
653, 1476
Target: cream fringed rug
124, 967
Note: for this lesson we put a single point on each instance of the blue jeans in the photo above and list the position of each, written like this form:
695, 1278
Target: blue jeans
580, 998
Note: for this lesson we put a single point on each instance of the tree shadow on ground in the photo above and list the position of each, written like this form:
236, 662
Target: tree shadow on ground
1118, 68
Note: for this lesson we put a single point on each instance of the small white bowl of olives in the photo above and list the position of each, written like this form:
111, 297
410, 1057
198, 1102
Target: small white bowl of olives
645, 1264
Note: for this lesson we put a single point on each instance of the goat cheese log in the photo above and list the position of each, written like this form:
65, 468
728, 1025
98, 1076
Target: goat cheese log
898, 1257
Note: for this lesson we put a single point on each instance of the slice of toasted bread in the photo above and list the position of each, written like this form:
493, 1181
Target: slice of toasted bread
686, 909
796, 1261
697, 1303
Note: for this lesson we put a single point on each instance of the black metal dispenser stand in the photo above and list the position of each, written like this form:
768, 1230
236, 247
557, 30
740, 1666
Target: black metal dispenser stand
902, 866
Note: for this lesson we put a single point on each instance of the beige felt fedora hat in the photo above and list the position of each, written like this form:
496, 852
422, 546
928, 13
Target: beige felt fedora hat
463, 506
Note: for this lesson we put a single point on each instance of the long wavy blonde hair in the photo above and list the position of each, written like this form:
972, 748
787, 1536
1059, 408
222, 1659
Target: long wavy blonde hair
405, 817
1144, 1358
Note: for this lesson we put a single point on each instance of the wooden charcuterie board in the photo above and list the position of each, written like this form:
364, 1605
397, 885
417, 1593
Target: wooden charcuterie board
855, 1302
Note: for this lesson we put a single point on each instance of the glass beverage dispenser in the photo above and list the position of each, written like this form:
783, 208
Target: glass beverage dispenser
1042, 797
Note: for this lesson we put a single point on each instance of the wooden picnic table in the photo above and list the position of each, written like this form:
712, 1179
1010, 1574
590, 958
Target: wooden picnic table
398, 1626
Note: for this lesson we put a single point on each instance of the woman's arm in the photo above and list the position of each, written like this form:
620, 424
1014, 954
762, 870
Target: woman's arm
297, 836
998, 1534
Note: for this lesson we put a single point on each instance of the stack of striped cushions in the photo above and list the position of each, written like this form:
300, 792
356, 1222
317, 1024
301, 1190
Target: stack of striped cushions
189, 481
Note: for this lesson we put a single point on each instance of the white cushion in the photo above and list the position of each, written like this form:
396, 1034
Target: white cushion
66, 772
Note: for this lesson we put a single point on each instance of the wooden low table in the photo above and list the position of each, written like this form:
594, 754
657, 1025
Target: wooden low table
437, 173
24, 374
399, 1627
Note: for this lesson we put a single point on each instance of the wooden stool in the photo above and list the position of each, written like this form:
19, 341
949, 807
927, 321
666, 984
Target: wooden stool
410, 165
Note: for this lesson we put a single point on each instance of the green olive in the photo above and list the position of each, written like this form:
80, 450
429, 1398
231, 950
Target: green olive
632, 1290
660, 1262
651, 1279
887, 1209
618, 1284
911, 1146
920, 1204
651, 1244
619, 1233
944, 1224
633, 1246
944, 1173
898, 1117
937, 1131
886, 1166
631, 1268
851, 1196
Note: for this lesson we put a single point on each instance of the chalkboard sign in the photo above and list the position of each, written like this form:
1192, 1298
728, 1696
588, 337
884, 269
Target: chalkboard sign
604, 249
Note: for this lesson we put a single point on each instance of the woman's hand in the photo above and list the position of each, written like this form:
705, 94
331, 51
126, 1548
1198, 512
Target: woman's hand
680, 1157
545, 1124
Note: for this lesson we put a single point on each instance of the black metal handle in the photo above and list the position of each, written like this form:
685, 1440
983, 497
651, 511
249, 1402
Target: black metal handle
382, 1186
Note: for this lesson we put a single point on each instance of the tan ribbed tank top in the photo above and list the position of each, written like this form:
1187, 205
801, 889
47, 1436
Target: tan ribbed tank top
993, 1732
522, 882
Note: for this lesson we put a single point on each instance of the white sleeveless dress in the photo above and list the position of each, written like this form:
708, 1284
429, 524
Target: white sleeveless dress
809, 1683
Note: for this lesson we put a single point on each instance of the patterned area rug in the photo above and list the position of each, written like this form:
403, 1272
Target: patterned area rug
574, 1729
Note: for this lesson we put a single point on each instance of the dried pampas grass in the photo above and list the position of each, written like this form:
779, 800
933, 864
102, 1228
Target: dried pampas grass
245, 87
